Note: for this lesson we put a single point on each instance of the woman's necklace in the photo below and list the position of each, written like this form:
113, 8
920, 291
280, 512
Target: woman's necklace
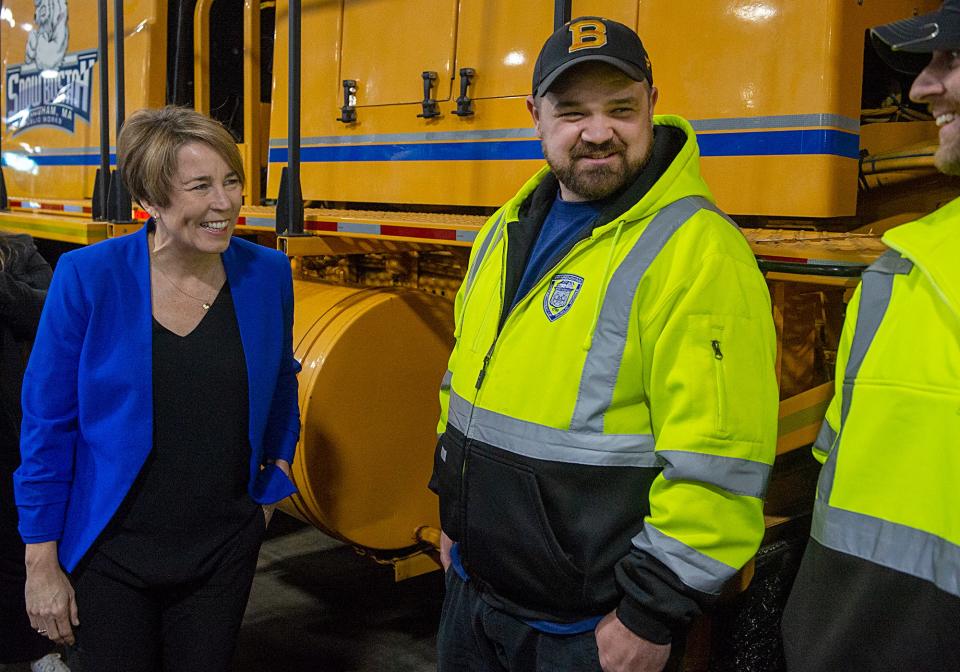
204, 304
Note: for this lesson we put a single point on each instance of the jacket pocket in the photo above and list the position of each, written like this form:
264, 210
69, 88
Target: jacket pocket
510, 543
446, 480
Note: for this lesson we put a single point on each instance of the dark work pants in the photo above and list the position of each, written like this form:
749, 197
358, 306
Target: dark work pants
18, 642
129, 625
475, 637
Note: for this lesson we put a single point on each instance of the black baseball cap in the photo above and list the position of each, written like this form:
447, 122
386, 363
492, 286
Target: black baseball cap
590, 38
906, 45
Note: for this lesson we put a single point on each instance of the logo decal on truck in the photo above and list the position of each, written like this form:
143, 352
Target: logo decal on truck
51, 87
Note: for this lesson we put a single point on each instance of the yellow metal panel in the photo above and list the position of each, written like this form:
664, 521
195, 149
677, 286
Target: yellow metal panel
883, 138
320, 84
851, 248
414, 565
772, 88
801, 416
502, 43
64, 229
410, 38
774, 57
389, 128
785, 186
468, 182
48, 162
201, 56
254, 140
117, 230
777, 60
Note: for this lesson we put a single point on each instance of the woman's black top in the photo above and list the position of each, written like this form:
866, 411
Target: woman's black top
191, 497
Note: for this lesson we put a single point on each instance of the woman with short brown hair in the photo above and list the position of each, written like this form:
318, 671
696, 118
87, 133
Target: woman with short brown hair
160, 415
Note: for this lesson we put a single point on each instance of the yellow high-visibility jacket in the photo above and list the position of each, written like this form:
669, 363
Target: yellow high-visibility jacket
882, 574
606, 443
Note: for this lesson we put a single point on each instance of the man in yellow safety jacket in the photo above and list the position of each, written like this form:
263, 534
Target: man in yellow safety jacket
609, 416
879, 586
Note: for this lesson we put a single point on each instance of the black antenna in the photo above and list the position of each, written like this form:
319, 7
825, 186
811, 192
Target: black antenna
101, 186
289, 215
120, 210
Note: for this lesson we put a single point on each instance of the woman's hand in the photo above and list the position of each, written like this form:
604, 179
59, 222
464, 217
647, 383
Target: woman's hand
51, 604
268, 509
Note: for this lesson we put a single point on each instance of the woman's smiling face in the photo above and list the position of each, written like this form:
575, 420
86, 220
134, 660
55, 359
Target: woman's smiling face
204, 202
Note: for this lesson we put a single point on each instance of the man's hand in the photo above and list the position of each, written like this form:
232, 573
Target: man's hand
51, 604
623, 651
446, 543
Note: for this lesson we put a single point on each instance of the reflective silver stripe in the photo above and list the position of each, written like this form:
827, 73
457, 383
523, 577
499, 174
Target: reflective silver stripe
549, 443
458, 412
901, 548
73, 150
602, 366
898, 547
437, 136
357, 227
695, 569
733, 474
815, 120
445, 383
489, 242
825, 438
875, 293
778, 121
874, 299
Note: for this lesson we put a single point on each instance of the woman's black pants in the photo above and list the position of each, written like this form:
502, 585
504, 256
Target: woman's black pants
131, 625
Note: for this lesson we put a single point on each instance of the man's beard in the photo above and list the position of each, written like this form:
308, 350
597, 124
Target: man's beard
597, 182
947, 158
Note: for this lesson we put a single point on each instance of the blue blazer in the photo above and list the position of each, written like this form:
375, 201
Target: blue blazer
88, 389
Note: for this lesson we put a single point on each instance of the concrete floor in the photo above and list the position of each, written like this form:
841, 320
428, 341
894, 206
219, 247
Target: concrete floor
316, 605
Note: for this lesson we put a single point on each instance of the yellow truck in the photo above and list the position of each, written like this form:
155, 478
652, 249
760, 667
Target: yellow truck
409, 129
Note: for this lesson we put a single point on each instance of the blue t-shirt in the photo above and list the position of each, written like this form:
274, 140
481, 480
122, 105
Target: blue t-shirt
564, 224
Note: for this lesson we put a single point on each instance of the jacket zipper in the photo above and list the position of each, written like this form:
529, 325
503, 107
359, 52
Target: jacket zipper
486, 362
721, 387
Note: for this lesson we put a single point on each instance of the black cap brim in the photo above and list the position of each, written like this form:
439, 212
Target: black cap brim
629, 69
907, 62
906, 45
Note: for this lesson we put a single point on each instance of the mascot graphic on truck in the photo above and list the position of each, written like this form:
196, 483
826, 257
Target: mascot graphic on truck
47, 44
51, 87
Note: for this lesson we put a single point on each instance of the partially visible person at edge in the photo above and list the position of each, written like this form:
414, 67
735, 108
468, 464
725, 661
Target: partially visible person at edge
159, 415
24, 278
879, 585
609, 416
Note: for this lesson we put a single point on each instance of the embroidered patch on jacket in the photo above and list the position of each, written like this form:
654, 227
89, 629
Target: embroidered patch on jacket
561, 294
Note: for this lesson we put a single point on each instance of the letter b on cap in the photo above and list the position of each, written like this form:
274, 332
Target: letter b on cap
587, 35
